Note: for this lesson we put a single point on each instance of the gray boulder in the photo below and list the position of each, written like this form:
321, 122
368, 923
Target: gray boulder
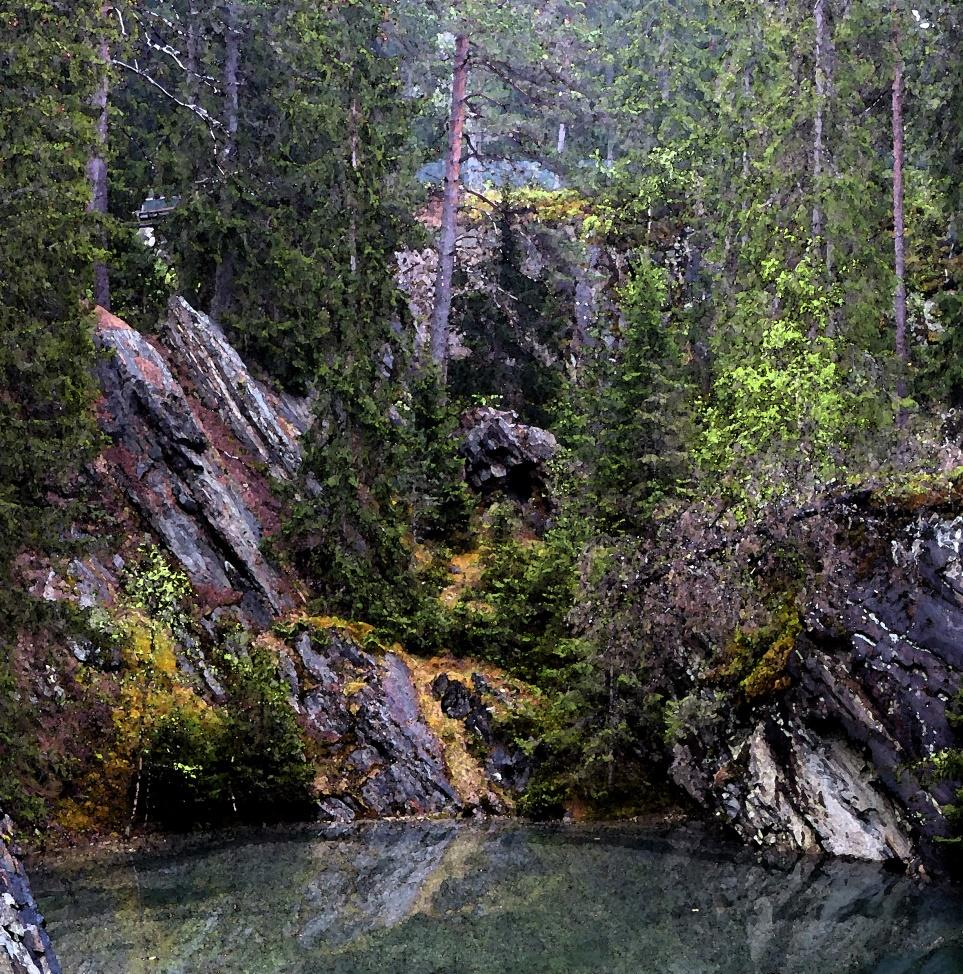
502, 454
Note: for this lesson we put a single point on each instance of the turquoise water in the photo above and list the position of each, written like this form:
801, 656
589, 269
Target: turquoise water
442, 898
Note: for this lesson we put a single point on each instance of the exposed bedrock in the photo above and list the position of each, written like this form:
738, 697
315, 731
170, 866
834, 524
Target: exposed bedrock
24, 945
503, 454
834, 758
363, 710
193, 440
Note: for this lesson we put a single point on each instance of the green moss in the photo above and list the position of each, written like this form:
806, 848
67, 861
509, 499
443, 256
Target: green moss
755, 660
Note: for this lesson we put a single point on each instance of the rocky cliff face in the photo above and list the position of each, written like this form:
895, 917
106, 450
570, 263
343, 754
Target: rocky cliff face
193, 440
816, 656
195, 447
24, 945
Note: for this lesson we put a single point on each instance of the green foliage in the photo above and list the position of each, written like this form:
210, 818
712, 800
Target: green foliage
514, 325
46, 351
517, 617
20, 757
243, 760
435, 473
263, 748
156, 589
786, 399
629, 434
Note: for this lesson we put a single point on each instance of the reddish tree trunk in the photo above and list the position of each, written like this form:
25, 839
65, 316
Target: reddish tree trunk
97, 167
449, 215
819, 16
899, 232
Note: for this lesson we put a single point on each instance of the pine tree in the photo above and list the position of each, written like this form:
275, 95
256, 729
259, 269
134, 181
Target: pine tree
50, 68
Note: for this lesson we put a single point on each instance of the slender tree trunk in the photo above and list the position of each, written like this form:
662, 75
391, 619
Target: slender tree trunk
562, 135
224, 277
819, 16
193, 52
97, 164
355, 118
610, 133
449, 215
899, 231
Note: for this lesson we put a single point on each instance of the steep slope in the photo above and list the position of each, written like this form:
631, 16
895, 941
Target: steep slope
24, 945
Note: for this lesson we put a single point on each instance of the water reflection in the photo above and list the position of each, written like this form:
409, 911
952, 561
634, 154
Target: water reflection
441, 898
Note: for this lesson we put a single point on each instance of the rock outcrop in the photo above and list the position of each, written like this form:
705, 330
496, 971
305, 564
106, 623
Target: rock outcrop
363, 709
503, 454
193, 437
505, 765
24, 945
814, 733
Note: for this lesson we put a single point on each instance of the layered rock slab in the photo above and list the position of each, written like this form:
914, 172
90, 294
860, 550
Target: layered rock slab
363, 709
189, 427
25, 947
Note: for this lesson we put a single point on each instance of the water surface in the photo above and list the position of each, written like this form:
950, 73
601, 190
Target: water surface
447, 898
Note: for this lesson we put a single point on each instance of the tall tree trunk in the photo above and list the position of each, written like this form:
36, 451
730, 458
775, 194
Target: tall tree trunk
224, 277
562, 134
899, 231
193, 52
819, 16
610, 126
448, 237
97, 163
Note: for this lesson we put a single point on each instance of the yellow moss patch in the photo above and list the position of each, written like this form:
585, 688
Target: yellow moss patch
464, 769
756, 659
769, 674
359, 631
467, 575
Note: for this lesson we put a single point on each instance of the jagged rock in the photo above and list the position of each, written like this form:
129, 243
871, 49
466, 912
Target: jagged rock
505, 765
364, 711
268, 424
178, 466
24, 945
833, 758
503, 454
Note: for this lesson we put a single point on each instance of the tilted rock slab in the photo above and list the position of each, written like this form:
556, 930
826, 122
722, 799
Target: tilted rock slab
363, 709
268, 424
24, 945
204, 501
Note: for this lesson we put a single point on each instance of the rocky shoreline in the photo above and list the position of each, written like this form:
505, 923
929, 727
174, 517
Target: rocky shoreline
25, 947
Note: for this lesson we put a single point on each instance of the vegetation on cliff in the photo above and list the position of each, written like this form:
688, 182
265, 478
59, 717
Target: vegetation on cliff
713, 249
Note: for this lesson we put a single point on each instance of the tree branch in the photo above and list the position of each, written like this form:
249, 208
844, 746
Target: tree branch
202, 113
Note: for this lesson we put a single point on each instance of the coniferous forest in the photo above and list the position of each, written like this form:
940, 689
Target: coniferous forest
502, 410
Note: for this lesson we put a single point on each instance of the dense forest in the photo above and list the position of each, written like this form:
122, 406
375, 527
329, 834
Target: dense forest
702, 258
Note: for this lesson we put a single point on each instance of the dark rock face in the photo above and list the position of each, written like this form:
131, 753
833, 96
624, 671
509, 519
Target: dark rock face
503, 454
364, 711
831, 758
505, 765
188, 428
24, 945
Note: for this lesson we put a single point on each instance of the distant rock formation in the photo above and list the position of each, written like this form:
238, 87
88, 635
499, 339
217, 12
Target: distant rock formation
24, 945
503, 454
